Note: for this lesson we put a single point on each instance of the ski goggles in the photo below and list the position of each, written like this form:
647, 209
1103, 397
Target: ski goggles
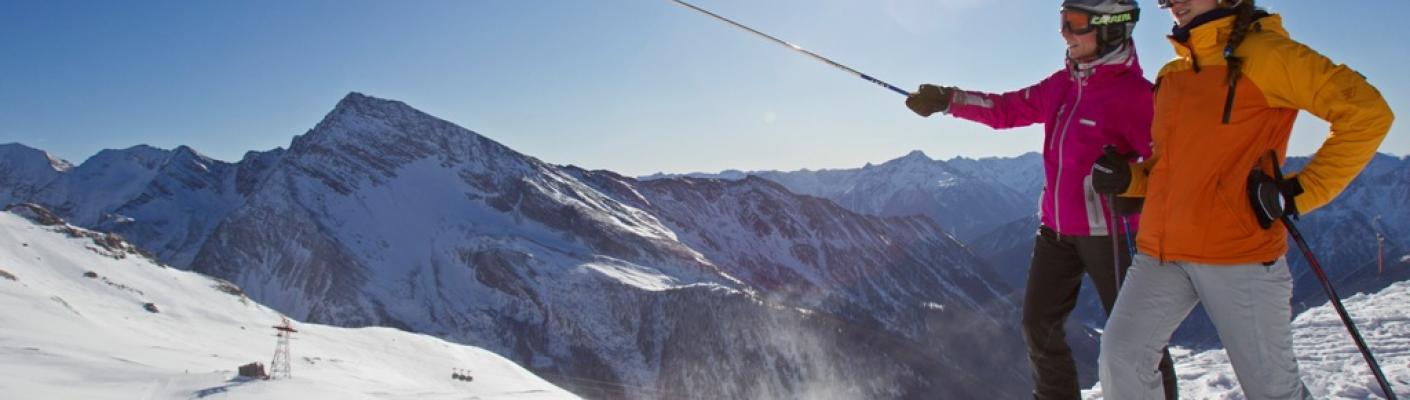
1079, 23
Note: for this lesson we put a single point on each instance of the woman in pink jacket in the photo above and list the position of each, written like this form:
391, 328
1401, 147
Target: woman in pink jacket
1100, 98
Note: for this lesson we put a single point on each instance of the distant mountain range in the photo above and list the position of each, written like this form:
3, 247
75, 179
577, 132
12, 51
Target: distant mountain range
966, 197
605, 285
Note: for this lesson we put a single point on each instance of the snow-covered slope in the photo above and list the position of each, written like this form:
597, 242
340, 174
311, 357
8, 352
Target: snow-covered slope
74, 326
1330, 364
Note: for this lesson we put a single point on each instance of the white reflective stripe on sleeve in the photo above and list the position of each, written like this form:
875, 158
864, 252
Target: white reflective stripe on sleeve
967, 99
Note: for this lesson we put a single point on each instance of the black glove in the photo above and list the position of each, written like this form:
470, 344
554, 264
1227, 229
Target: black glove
929, 99
1111, 174
1128, 205
1272, 198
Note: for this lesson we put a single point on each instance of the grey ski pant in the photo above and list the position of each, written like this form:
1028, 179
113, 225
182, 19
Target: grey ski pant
1248, 303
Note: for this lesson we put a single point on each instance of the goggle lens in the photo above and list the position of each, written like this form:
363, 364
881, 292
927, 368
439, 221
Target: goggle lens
1076, 22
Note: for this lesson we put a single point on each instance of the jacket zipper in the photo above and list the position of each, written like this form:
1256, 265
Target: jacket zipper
1168, 160
1052, 141
1062, 144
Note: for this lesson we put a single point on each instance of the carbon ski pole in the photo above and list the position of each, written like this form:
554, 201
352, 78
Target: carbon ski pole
1341, 310
1115, 240
859, 74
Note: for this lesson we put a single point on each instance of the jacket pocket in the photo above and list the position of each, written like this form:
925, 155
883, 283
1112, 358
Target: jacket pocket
1241, 220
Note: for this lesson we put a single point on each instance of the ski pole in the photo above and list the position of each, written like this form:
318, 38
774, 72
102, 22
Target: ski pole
1110, 151
1115, 240
1130, 241
1341, 310
859, 74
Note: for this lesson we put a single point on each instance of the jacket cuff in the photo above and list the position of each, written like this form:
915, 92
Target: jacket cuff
1306, 200
950, 103
1137, 187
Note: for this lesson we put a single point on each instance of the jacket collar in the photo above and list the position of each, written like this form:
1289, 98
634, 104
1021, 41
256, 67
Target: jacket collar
1120, 61
1182, 33
1208, 38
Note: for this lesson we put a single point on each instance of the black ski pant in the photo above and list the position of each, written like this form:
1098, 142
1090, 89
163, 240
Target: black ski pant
1054, 279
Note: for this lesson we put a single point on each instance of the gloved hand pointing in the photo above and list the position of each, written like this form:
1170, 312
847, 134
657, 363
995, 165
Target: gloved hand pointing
929, 99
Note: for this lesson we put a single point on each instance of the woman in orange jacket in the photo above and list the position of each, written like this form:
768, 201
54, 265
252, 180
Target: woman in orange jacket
1223, 108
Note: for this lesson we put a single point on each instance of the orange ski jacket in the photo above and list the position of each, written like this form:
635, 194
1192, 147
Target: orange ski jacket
1207, 137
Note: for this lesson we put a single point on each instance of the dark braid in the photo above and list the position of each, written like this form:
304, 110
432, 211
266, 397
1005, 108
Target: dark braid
1244, 16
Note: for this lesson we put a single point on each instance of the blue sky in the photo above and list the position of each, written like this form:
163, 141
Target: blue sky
634, 86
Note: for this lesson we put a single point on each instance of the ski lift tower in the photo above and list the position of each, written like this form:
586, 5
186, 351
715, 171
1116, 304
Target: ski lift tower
279, 368
1380, 247
1380, 254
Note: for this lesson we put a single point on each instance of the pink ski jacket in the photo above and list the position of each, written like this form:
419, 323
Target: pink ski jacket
1082, 109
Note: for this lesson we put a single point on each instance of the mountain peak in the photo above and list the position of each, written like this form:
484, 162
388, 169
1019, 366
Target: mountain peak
358, 104
144, 155
358, 99
915, 157
357, 96
371, 138
358, 112
362, 118
186, 152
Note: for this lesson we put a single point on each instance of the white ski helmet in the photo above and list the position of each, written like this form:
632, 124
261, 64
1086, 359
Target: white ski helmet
1113, 20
